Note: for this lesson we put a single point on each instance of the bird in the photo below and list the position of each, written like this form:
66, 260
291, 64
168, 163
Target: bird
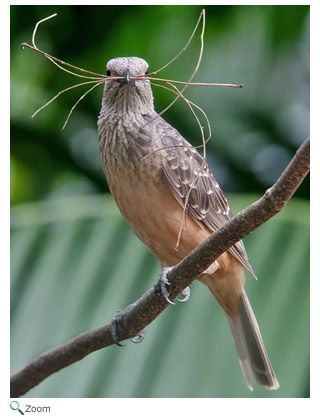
169, 196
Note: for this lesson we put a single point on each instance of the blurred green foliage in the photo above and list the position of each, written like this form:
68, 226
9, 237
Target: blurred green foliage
73, 260
256, 130
75, 263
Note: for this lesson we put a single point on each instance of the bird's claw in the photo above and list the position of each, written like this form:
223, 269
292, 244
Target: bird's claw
186, 295
139, 338
160, 287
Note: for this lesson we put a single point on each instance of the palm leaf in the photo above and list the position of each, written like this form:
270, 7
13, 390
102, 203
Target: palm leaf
74, 263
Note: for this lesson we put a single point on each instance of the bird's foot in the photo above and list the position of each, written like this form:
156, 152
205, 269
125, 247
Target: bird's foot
139, 338
115, 323
186, 295
160, 287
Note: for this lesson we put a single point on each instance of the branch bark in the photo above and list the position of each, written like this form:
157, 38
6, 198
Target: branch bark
135, 317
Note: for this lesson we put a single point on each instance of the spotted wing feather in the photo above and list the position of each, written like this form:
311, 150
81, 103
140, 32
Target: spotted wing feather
194, 186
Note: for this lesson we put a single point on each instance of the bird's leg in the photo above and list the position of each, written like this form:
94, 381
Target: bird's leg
115, 323
160, 287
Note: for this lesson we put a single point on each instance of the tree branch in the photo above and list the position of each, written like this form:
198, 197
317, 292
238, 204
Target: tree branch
138, 315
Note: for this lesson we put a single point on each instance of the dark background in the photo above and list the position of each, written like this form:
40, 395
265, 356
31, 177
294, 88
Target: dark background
74, 262
256, 130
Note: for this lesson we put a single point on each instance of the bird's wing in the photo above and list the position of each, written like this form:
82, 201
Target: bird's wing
191, 180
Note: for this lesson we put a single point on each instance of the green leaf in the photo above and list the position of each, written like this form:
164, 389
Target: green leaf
74, 263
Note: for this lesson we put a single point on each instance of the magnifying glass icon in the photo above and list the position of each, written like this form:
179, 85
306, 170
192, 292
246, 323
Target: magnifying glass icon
14, 405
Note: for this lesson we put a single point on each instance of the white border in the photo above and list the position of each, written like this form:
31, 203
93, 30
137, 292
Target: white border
157, 407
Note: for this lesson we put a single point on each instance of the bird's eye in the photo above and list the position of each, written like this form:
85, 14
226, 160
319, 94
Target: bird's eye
108, 73
146, 73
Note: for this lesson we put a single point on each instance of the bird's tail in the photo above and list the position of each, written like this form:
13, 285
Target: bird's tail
253, 356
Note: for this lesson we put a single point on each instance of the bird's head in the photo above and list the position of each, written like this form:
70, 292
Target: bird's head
127, 87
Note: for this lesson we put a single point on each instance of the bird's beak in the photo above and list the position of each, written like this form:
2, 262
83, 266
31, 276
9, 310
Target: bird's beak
127, 75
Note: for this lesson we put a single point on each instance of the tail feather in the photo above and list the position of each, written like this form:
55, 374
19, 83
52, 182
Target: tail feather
253, 357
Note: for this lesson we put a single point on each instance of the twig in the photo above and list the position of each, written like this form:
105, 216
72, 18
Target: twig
59, 94
193, 84
100, 78
52, 58
140, 314
186, 84
78, 101
202, 16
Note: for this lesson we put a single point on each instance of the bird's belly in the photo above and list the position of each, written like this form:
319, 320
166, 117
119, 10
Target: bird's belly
156, 218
